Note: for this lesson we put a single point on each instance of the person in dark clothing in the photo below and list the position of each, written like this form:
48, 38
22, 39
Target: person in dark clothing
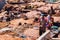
42, 28
8, 19
9, 8
40, 31
52, 11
